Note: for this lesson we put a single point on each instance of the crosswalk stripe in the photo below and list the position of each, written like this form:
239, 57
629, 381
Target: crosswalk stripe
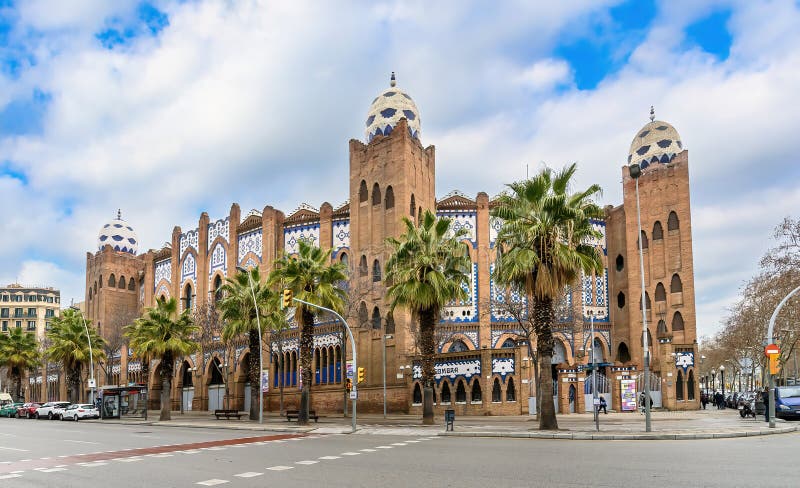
280, 468
306, 462
249, 474
212, 482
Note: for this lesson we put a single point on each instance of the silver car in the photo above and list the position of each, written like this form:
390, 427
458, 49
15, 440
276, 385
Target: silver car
49, 409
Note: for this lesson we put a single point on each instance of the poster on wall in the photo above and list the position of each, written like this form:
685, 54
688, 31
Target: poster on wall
264, 381
628, 392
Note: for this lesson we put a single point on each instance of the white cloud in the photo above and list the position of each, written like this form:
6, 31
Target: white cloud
546, 74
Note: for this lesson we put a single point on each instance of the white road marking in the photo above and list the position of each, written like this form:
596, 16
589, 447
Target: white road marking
398, 443
331, 457
216, 448
45, 458
129, 460
163, 455
191, 451
368, 450
52, 470
14, 449
81, 442
351, 454
92, 465
412, 442
249, 474
8, 476
17, 472
212, 482
383, 447
280, 468
26, 460
306, 462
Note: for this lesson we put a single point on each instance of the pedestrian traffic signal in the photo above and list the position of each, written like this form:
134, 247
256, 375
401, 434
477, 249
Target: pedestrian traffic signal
287, 298
362, 374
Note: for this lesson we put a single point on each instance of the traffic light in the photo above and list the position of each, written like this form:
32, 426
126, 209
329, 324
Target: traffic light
287, 298
349, 384
362, 374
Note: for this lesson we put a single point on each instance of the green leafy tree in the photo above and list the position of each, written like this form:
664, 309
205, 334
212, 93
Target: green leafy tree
18, 353
312, 278
239, 317
163, 334
428, 269
544, 245
69, 345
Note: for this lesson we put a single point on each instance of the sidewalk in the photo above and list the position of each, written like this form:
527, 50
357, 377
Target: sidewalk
702, 424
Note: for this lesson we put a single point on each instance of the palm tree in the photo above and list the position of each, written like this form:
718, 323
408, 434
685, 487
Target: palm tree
239, 316
164, 334
428, 269
314, 279
543, 247
69, 345
18, 353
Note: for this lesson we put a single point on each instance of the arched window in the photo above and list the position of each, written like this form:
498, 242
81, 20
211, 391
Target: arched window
620, 300
458, 346
645, 244
496, 391
216, 373
623, 355
675, 285
390, 323
362, 266
362, 314
344, 260
649, 339
419, 214
217, 288
662, 328
690, 385
187, 296
412, 209
389, 198
363, 193
646, 301
620, 262
186, 376
376, 194
417, 399
376, 318
112, 280
122, 282
658, 231
677, 321
90, 293
461, 392
672, 222
445, 392
131, 285
476, 396
679, 386
509, 344
661, 293
511, 394
376, 271
100, 281
95, 288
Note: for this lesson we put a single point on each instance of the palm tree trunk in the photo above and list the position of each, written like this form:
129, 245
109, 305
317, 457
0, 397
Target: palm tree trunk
254, 374
74, 383
167, 365
306, 347
16, 380
543, 316
427, 326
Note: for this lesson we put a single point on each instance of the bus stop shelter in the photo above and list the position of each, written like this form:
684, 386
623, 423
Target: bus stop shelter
123, 401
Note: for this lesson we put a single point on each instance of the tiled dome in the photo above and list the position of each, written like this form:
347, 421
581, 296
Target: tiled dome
656, 142
119, 235
388, 108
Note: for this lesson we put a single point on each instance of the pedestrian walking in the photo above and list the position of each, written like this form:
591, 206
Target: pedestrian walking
765, 397
602, 406
704, 400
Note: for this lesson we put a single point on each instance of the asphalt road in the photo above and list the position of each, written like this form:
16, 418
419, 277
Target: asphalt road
92, 454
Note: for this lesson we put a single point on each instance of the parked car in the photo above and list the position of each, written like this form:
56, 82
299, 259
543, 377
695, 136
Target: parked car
59, 410
80, 411
46, 410
9, 409
787, 402
28, 410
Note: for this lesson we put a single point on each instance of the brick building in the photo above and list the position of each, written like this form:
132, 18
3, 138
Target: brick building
483, 367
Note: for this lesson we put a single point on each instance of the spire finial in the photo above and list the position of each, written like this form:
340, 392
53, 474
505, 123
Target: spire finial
652, 113
392, 81
119, 214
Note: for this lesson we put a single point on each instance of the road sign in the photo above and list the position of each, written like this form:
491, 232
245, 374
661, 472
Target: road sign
354, 394
92, 383
771, 349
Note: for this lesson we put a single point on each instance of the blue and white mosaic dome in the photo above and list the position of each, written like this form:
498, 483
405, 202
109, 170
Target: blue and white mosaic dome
656, 142
388, 108
119, 235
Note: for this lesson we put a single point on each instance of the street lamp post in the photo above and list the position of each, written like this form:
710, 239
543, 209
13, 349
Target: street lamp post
635, 172
771, 340
260, 347
722, 380
91, 358
383, 343
594, 372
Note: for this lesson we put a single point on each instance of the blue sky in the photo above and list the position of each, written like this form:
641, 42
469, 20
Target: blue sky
168, 108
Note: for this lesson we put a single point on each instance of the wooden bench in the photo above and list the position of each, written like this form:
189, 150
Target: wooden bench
227, 414
295, 414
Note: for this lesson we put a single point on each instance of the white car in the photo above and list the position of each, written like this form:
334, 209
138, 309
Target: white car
48, 410
80, 411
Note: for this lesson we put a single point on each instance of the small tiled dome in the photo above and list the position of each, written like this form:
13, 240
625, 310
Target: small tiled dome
388, 108
656, 142
119, 235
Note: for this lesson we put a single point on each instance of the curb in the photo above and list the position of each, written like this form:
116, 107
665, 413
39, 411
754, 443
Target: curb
585, 436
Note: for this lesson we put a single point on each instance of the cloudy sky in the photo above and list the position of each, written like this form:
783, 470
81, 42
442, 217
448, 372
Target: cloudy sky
167, 108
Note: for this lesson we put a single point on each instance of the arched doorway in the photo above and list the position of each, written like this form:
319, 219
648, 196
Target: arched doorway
187, 386
216, 386
559, 356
